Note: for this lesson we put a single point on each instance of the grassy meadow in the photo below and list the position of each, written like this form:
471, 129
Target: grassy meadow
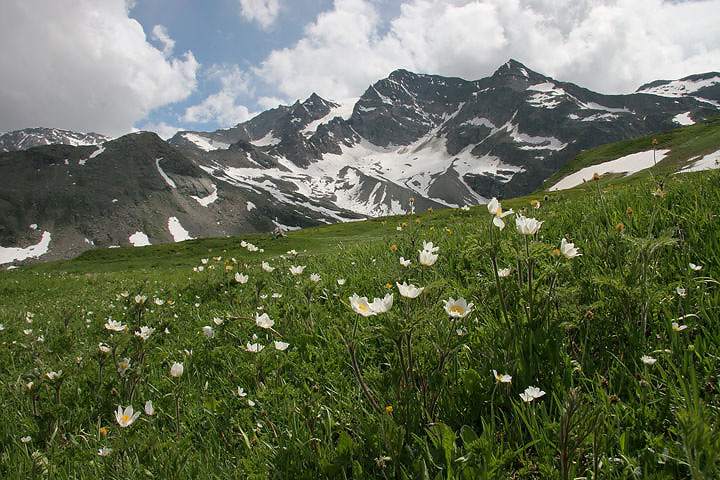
595, 360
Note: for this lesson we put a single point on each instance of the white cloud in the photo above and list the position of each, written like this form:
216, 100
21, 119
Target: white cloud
160, 34
163, 130
84, 65
612, 46
264, 12
221, 107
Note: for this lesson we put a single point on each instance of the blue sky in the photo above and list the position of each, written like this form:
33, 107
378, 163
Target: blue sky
114, 66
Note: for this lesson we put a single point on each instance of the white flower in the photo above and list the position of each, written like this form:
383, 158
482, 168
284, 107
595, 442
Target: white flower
531, 393
254, 347
502, 378
123, 366
159, 301
127, 417
266, 267
465, 208
382, 305
115, 326
457, 308
568, 249
140, 298
276, 295
495, 209
427, 258
681, 291
241, 278
26, 439
29, 317
409, 291
208, 331
104, 451
204, 261
241, 392
315, 278
28, 331
2, 327
54, 375
145, 332
341, 281
503, 272
404, 263
149, 409
527, 226
218, 321
297, 270
252, 248
251, 403
677, 327
177, 369
291, 252
398, 228
360, 305
695, 267
429, 247
263, 321
104, 347
648, 360
281, 345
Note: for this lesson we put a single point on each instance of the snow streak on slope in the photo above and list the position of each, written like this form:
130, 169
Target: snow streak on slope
205, 201
704, 162
139, 239
628, 164
204, 143
164, 175
680, 88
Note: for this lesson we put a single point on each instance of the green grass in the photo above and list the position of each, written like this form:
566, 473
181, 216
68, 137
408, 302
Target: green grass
408, 393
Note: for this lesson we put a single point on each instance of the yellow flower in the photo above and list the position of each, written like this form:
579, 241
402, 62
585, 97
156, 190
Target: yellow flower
448, 230
389, 409
384, 222
388, 285
629, 211
620, 227
432, 228
103, 431
417, 220
596, 177
404, 224
556, 253
393, 247
430, 209
228, 267
412, 199
535, 203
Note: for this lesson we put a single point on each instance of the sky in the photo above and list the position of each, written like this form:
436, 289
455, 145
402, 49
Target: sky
117, 66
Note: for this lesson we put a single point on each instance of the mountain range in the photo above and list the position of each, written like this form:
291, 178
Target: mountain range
447, 142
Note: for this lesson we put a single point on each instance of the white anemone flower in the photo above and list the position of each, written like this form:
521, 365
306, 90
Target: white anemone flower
54, 375
241, 392
341, 281
218, 321
263, 321
149, 409
404, 263
115, 326
281, 345
409, 291
126, 417
502, 378
648, 360
531, 393
104, 347
241, 278
427, 258
465, 208
297, 269
145, 332
457, 308
315, 278
266, 267
695, 267
496, 210
123, 366
254, 347
568, 249
208, 331
360, 305
177, 369
527, 226
382, 305
159, 301
140, 298
681, 291
503, 272
104, 451
677, 327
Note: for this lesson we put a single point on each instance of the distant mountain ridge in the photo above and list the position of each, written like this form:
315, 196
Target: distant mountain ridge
35, 137
444, 141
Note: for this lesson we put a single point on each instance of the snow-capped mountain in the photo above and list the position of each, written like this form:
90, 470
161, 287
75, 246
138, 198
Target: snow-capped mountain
444, 141
34, 137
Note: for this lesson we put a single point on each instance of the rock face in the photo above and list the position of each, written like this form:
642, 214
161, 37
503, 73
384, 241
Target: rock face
443, 141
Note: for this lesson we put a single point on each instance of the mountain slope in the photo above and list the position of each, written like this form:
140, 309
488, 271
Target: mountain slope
34, 137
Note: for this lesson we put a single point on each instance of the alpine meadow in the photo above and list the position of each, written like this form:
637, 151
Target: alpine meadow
565, 334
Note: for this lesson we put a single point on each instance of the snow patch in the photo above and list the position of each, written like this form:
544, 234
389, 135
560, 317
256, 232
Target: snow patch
204, 143
205, 201
680, 88
683, 119
138, 239
167, 179
628, 165
177, 231
13, 254
703, 162
266, 141
250, 206
344, 110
